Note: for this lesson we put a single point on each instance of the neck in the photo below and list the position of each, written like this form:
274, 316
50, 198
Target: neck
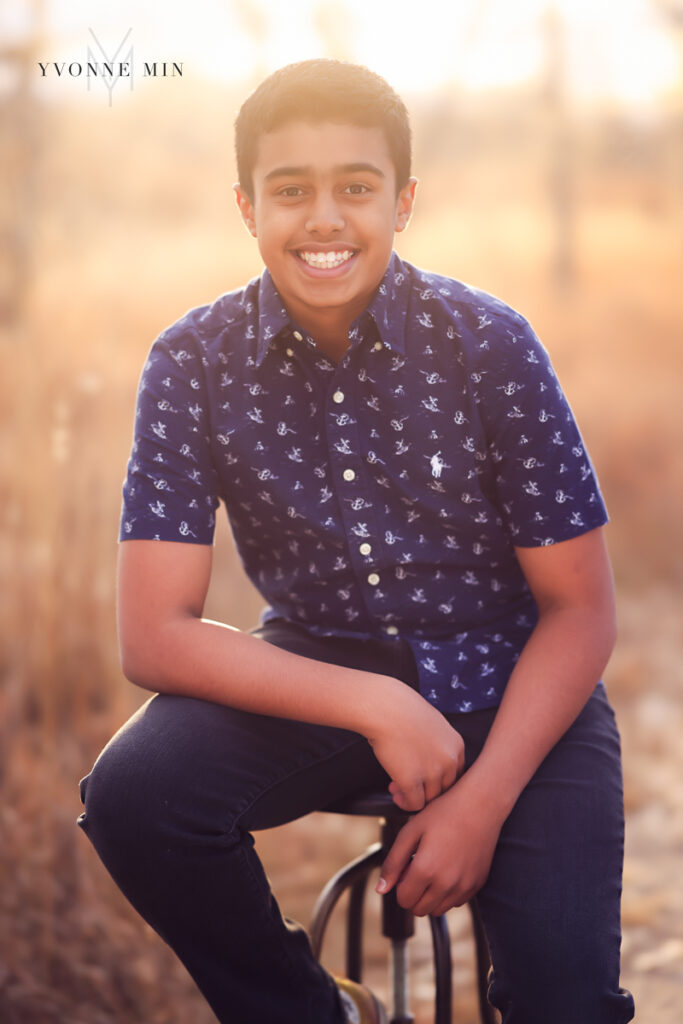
329, 331
332, 347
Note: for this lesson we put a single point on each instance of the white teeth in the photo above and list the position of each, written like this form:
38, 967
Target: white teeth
325, 260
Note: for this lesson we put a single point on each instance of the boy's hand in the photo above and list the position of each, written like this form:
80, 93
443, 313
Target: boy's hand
443, 855
417, 747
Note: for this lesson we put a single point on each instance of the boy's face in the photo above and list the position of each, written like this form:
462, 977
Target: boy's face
324, 211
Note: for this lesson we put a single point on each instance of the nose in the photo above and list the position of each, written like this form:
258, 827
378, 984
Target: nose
324, 215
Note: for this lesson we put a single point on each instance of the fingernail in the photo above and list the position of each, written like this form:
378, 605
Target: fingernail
381, 885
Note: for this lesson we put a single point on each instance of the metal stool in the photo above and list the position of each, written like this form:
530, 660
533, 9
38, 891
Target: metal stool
397, 924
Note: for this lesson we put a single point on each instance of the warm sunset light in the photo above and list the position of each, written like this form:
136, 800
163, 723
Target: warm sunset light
619, 53
548, 146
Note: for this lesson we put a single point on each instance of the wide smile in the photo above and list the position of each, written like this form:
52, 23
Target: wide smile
325, 262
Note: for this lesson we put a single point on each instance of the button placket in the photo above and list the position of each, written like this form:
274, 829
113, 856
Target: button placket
349, 475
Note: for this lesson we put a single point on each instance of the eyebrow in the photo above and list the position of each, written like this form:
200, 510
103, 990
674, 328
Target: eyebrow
303, 171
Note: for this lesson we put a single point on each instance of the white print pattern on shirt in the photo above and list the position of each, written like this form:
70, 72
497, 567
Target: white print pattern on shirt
473, 450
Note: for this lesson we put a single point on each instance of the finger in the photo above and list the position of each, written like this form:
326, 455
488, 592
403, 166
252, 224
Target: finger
428, 902
438, 900
403, 802
413, 886
455, 897
450, 777
459, 759
442, 782
432, 789
397, 859
398, 796
412, 797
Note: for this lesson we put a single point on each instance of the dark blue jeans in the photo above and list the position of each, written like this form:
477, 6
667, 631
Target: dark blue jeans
172, 800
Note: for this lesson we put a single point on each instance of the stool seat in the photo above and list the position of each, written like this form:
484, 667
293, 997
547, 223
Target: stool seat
376, 803
397, 922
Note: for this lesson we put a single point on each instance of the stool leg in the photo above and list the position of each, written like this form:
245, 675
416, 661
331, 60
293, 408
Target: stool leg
441, 942
486, 1012
398, 924
354, 930
357, 869
399, 983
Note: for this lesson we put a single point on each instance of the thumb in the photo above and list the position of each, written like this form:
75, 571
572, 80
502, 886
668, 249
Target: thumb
412, 798
399, 797
397, 860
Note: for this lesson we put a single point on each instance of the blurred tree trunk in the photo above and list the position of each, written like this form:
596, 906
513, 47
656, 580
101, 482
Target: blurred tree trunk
561, 189
671, 12
335, 26
20, 128
255, 24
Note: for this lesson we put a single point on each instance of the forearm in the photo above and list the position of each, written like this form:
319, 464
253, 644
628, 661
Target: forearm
211, 661
414, 743
166, 646
554, 677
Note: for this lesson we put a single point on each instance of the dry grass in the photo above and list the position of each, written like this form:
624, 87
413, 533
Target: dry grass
124, 250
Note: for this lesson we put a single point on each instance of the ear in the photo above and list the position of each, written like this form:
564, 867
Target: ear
246, 208
404, 204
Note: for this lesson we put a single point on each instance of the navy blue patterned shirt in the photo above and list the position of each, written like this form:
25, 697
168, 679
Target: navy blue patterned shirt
380, 496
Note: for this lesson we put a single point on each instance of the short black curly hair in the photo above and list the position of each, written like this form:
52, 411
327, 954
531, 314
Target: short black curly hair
322, 90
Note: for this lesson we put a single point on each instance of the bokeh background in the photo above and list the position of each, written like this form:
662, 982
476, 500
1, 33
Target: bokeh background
549, 147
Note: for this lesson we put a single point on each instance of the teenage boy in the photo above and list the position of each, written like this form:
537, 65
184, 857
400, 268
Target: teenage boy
408, 490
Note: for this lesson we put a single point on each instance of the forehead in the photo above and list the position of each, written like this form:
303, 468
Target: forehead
322, 147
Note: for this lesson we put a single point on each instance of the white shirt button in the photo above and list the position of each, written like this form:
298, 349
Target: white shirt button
289, 351
377, 346
349, 474
338, 397
298, 336
373, 579
391, 630
365, 549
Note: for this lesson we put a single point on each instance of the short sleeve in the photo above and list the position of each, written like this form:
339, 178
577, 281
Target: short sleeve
545, 484
171, 487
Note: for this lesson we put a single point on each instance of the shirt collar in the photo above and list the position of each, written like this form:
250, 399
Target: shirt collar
387, 310
389, 304
273, 316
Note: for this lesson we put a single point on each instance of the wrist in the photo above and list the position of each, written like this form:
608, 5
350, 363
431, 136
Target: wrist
488, 792
384, 704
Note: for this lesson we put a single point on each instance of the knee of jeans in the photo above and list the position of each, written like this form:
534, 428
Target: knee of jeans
563, 1007
560, 981
126, 798
148, 790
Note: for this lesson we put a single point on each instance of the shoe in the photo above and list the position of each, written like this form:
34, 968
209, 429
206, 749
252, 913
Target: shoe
360, 1006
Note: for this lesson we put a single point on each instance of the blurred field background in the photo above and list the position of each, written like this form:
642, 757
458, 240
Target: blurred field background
115, 220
